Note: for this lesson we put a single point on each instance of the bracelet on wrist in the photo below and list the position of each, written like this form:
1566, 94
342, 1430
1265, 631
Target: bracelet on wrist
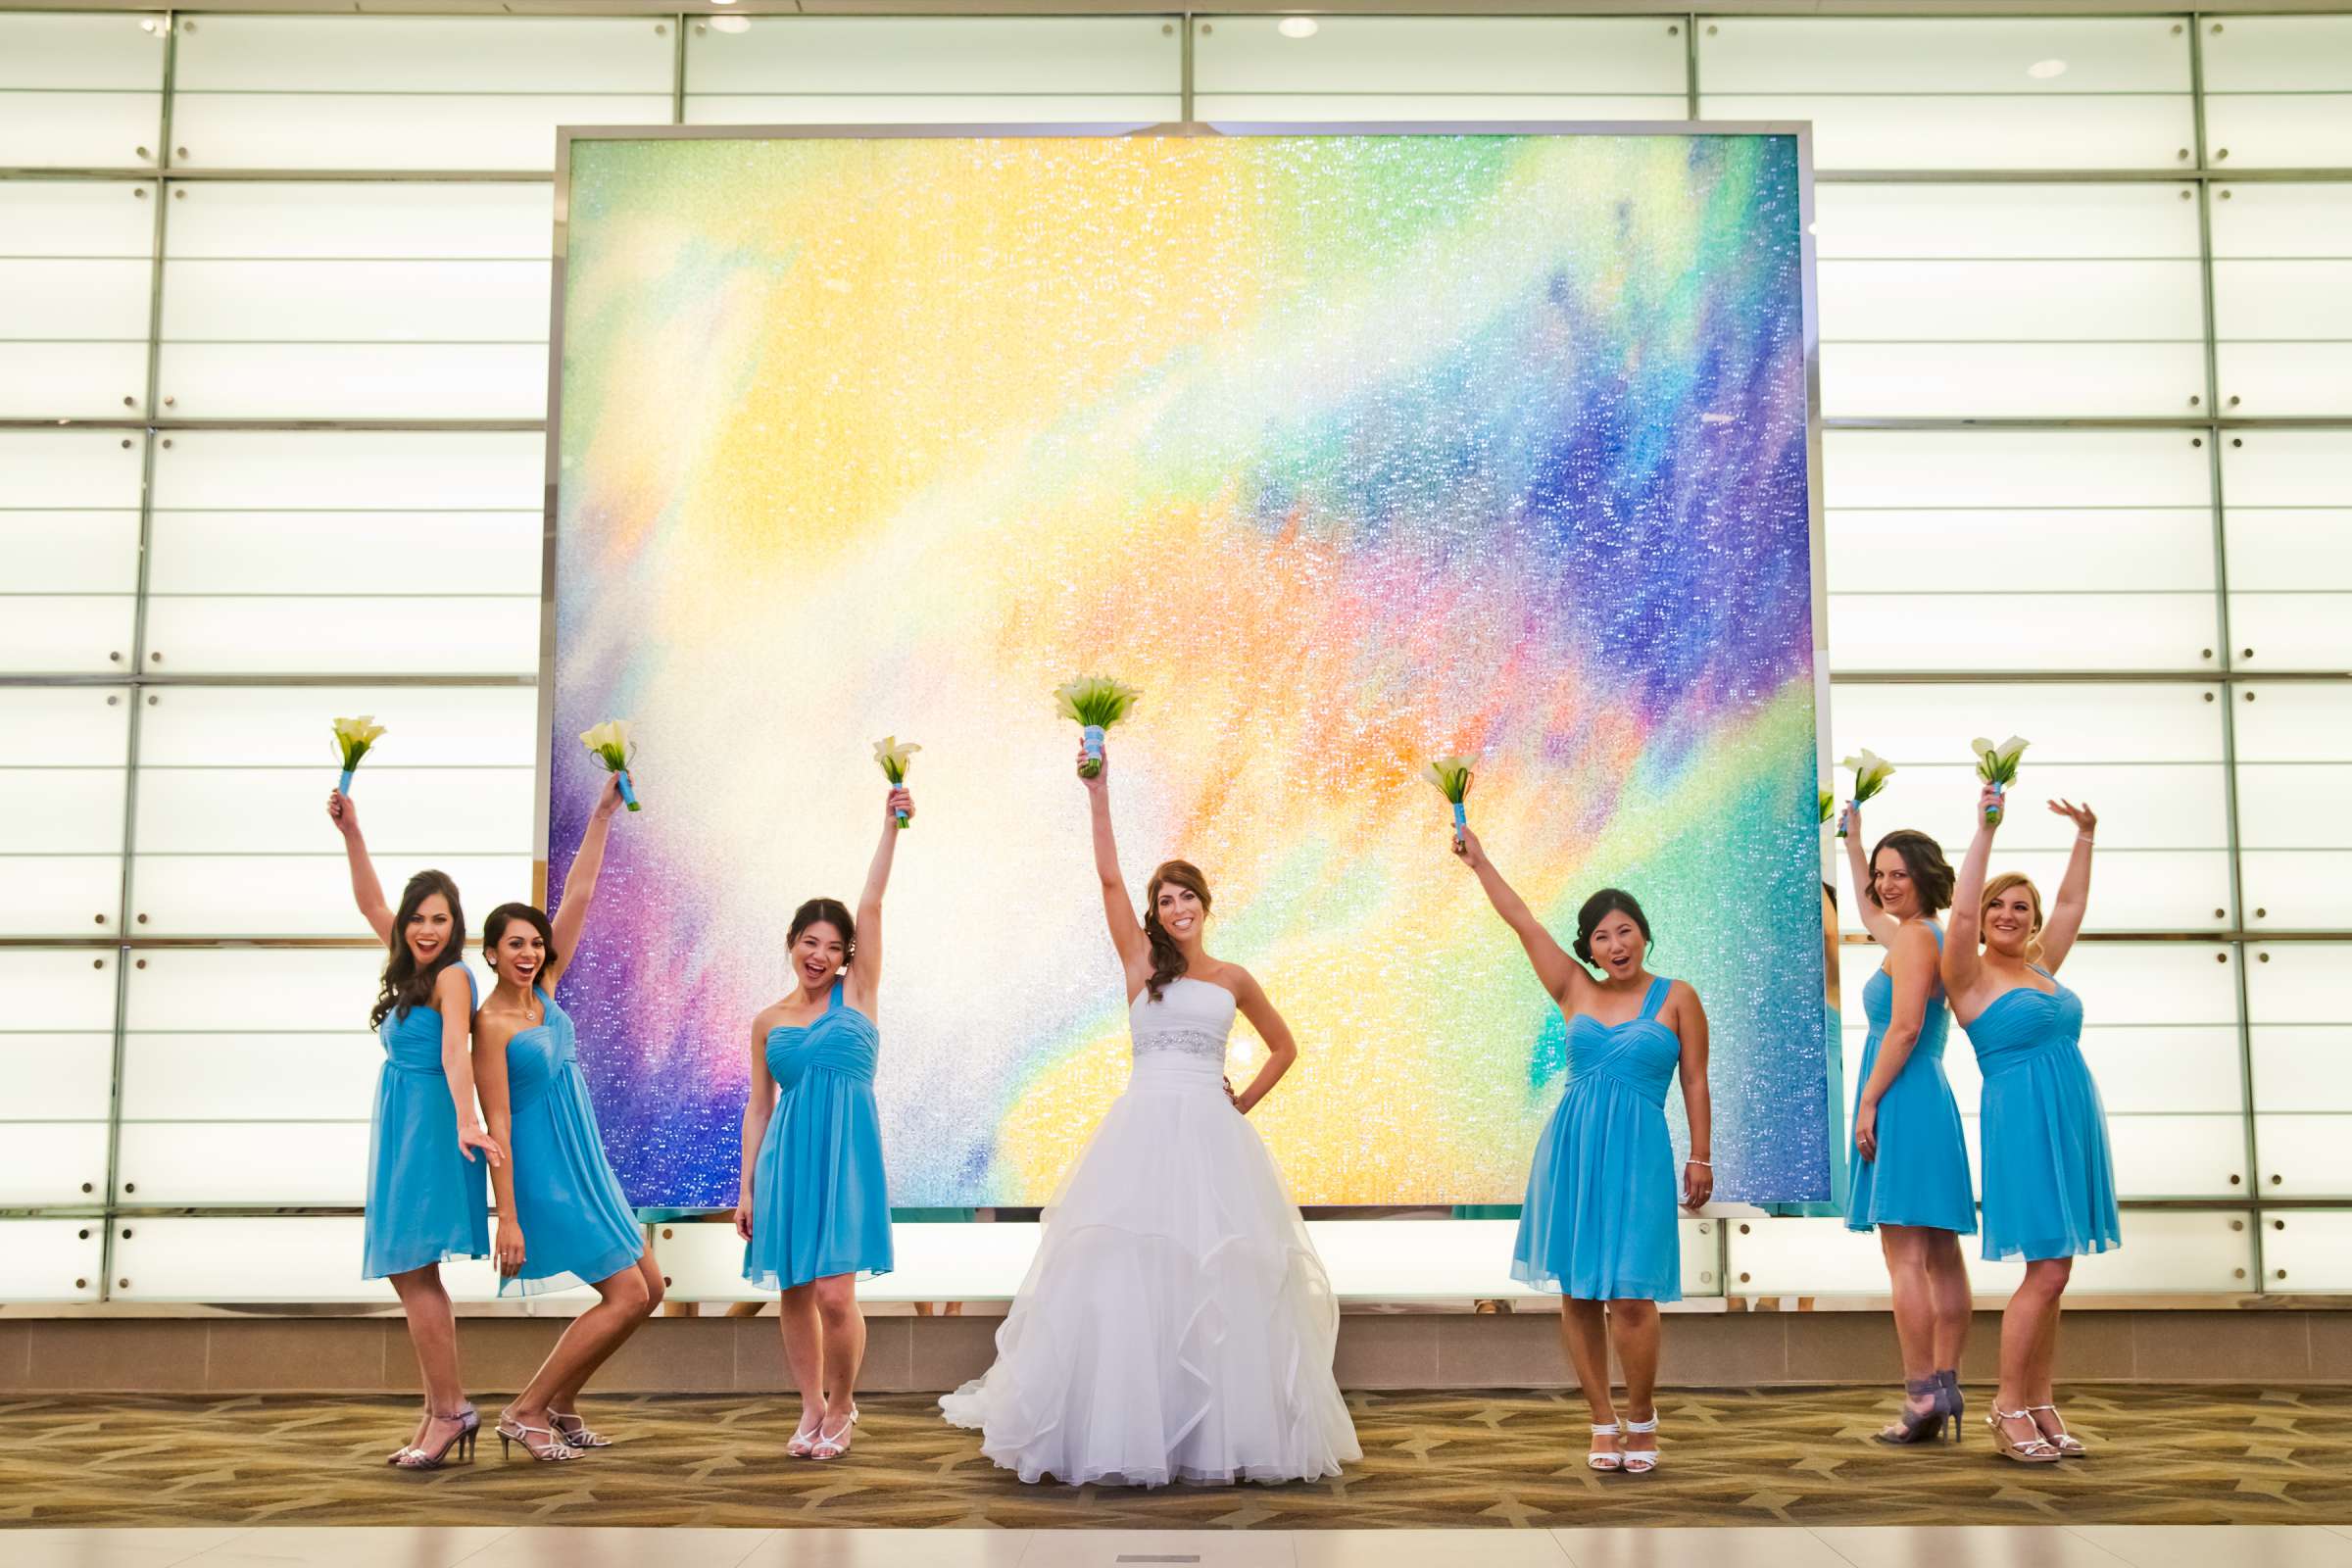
1710, 1164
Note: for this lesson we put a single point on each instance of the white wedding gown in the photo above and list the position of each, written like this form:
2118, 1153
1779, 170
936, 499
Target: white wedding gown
1176, 1324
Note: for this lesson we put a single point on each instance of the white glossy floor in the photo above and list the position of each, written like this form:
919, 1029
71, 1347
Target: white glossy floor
2053, 1546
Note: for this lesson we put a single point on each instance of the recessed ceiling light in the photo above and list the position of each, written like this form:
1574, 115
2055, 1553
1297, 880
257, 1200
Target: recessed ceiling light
732, 23
1299, 27
2044, 69
722, 2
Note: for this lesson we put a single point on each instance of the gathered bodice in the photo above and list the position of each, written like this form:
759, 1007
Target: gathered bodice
1639, 1054
535, 1055
1192, 1019
411, 1040
2024, 1022
1934, 1025
841, 1039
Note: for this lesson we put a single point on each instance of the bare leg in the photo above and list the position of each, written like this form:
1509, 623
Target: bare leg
1585, 1335
622, 1304
433, 1336
1634, 1331
1906, 1248
2040, 1393
1955, 1307
565, 1400
2025, 1323
843, 1346
805, 1351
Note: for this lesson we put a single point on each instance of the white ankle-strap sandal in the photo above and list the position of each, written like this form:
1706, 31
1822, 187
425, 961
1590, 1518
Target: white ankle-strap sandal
1606, 1461
1643, 1461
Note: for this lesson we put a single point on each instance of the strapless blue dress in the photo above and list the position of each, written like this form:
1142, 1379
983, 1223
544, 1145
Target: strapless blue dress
1921, 1174
577, 1227
2049, 1177
427, 1201
820, 1200
1599, 1219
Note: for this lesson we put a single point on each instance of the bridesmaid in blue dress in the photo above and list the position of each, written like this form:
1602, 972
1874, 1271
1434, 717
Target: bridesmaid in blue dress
814, 1213
424, 1188
1910, 1158
2048, 1180
561, 1218
1598, 1224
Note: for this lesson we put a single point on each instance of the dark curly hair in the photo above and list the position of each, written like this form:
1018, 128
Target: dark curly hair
405, 987
1167, 958
1922, 858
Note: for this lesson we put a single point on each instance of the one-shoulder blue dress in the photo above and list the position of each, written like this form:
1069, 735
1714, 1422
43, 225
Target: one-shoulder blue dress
577, 1227
427, 1201
1599, 1219
820, 1201
1921, 1174
2048, 1178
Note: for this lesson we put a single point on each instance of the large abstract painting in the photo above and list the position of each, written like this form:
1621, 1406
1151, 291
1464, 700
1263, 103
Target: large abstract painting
1348, 450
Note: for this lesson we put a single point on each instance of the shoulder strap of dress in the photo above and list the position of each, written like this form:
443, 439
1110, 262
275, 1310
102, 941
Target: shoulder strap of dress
472, 987
833, 1000
1659, 986
1938, 930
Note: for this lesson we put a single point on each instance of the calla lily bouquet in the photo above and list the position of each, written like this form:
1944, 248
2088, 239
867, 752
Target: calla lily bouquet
609, 744
1452, 776
1829, 804
892, 752
1871, 773
1996, 765
1096, 702
352, 737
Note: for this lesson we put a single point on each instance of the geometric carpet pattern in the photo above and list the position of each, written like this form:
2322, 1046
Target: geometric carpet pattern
1438, 1460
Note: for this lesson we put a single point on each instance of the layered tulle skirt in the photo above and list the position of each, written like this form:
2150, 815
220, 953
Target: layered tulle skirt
1176, 1324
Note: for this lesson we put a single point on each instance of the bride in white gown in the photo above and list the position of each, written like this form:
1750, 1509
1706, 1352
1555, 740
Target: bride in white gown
1176, 1324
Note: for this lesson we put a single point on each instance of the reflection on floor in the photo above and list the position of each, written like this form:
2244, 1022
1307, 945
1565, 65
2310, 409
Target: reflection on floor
1478, 1461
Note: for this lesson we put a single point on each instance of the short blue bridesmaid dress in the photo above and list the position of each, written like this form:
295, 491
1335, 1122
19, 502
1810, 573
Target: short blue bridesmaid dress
427, 1201
1599, 1219
820, 1201
2049, 1177
1921, 1175
577, 1227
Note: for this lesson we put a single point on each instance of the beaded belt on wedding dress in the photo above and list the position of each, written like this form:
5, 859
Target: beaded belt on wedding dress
1204, 1043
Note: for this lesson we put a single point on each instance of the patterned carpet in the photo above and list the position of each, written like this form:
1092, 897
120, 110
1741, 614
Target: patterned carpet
2162, 1456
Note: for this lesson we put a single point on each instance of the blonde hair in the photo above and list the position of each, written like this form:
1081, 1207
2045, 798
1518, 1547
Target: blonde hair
2002, 884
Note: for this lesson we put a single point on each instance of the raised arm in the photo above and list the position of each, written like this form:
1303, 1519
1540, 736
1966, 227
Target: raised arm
1698, 1105
489, 1076
1911, 965
863, 984
1559, 974
1281, 1049
1126, 931
1964, 929
1877, 921
579, 881
757, 1112
2065, 923
366, 891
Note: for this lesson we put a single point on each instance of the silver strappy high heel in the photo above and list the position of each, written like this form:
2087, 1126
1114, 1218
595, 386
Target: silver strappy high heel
574, 1431
1642, 1461
1606, 1461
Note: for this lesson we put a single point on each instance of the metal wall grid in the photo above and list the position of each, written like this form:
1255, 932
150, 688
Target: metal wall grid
2212, 425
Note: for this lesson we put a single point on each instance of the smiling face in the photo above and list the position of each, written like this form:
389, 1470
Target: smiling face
517, 945
1618, 945
1891, 886
818, 954
1180, 911
2012, 917
431, 927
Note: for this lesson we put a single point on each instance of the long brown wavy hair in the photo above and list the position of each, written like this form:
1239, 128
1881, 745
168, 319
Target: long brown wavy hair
405, 987
1167, 958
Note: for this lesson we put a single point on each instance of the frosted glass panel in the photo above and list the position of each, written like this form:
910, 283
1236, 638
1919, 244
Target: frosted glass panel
2288, 495
1253, 108
424, 54
356, 381
2165, 1252
962, 109
2169, 1157
82, 219
73, 727
1903, 632
293, 1259
52, 1164
80, 91
364, 221
233, 810
2304, 130
1941, 302
59, 810
2297, 722
59, 991
304, 470
77, 552
490, 636
1882, 55
1897, 132
255, 990
2071, 726
334, 301
2297, 890
2293, 631
1804, 1257
56, 1077
61, 894
295, 895
2305, 1155
2289, 805
1922, 222
51, 1260
2015, 380
2139, 549
2010, 468
2282, 300
418, 131
428, 728
264, 1077
241, 1163
93, 300
68, 471
2300, 982
2308, 1250
2278, 91
83, 379
2286, 379
2270, 221
1639, 57
2303, 1068
327, 552
838, 56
